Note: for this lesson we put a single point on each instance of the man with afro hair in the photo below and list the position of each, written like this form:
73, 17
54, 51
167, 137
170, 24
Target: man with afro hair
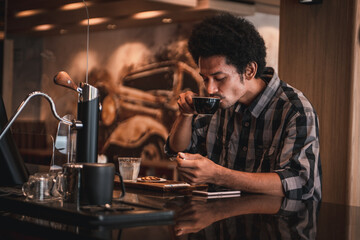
264, 138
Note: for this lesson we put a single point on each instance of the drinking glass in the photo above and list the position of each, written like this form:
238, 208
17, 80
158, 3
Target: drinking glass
129, 168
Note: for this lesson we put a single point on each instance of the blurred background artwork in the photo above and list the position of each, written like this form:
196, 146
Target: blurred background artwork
140, 69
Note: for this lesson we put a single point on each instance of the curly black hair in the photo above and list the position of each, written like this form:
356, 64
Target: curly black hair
233, 37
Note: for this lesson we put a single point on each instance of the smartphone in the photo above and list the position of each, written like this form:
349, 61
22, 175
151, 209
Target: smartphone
216, 192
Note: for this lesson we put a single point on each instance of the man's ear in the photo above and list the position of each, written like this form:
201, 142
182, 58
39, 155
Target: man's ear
250, 70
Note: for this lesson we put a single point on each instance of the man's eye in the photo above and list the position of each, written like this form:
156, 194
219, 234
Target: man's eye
220, 79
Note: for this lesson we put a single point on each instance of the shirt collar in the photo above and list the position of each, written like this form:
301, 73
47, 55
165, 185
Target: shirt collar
262, 100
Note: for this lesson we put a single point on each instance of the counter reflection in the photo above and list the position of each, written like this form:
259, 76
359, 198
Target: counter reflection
247, 217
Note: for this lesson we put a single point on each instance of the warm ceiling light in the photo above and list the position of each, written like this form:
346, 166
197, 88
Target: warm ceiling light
2, 35
28, 13
167, 20
94, 21
148, 14
44, 27
63, 31
74, 6
111, 26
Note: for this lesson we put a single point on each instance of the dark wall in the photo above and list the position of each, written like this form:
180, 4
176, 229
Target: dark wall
2, 26
27, 74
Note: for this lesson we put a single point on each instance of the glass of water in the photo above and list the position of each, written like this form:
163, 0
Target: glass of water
129, 168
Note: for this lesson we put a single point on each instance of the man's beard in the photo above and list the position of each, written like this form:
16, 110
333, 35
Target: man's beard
226, 105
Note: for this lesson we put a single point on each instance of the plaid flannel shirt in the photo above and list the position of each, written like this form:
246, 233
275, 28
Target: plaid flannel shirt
278, 132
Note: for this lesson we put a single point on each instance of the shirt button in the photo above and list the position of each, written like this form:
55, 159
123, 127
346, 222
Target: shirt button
246, 124
244, 149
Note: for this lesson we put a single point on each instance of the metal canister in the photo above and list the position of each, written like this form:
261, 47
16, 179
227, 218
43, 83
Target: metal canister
72, 174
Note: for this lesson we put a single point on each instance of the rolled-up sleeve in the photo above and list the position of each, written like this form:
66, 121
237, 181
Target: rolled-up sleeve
299, 167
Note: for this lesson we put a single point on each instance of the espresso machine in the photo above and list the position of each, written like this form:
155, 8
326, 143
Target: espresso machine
87, 114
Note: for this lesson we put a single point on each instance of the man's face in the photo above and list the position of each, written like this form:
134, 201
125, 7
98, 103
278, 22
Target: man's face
222, 80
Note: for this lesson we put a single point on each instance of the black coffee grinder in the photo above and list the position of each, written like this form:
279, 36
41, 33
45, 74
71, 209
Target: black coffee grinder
87, 114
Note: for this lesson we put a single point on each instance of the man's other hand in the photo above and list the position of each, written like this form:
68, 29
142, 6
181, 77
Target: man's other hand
196, 169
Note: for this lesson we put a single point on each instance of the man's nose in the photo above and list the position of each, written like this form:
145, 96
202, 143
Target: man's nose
211, 87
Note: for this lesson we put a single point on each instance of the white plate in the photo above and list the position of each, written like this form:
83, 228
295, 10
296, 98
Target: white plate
152, 181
